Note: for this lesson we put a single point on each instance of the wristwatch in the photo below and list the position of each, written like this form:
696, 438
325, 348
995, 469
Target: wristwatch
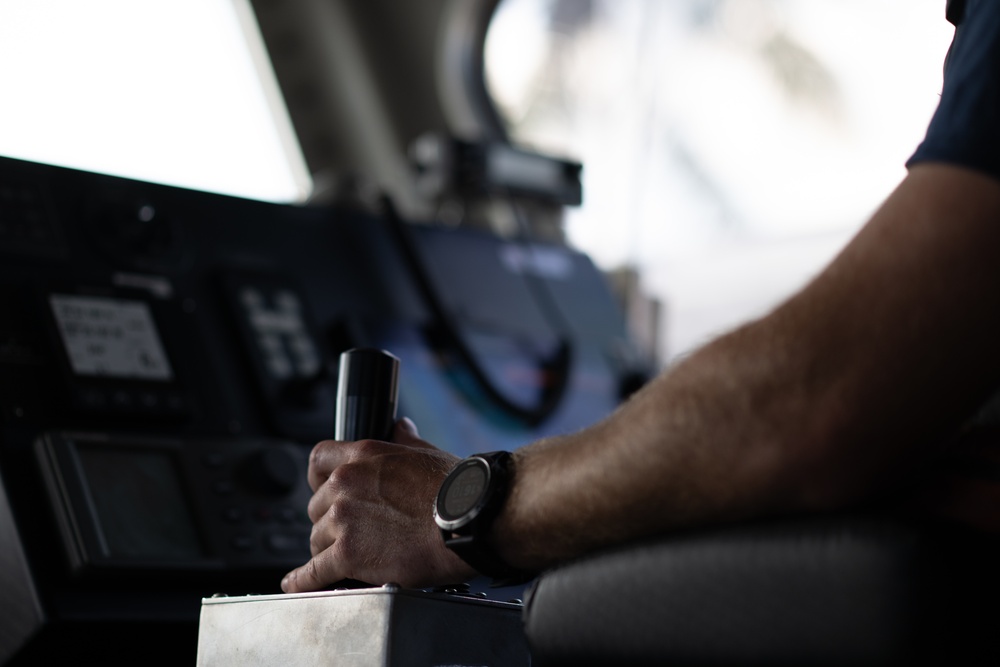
470, 498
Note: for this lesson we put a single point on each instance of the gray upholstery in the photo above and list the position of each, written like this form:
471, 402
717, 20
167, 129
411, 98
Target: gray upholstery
826, 591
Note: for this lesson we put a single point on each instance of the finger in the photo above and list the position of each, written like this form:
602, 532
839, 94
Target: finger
320, 502
324, 530
320, 540
324, 459
320, 571
407, 424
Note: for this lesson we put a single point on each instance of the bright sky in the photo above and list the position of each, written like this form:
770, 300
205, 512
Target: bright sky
725, 184
171, 91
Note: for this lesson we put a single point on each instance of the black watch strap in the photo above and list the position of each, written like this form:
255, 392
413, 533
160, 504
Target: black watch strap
485, 561
465, 533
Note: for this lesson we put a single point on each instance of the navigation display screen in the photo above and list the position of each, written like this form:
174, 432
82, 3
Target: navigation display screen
141, 508
109, 337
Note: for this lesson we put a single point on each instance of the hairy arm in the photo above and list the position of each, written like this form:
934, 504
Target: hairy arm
840, 393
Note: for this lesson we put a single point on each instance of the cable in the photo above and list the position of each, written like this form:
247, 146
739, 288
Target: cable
555, 370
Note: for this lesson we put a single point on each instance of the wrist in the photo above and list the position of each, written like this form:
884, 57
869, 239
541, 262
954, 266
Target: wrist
511, 534
467, 505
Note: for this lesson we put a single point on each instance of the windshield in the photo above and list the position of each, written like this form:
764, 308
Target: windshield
171, 91
730, 147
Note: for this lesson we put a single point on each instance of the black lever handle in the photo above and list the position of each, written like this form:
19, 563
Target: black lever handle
367, 394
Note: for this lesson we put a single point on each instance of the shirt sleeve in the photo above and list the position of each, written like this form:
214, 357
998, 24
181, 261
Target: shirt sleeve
965, 129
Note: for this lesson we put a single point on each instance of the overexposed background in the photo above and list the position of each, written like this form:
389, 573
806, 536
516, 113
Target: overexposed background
730, 147
171, 91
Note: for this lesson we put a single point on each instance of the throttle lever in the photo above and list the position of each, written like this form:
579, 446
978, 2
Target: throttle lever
367, 396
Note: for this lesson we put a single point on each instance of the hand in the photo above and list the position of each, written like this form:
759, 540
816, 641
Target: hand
372, 514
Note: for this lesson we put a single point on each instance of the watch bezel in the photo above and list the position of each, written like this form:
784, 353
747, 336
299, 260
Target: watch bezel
477, 508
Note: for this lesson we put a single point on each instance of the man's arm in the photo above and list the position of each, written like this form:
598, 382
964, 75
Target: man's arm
838, 394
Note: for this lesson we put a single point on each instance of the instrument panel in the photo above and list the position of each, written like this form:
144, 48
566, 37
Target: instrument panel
168, 360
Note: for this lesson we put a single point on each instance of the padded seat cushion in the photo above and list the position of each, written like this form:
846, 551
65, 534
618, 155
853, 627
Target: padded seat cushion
833, 590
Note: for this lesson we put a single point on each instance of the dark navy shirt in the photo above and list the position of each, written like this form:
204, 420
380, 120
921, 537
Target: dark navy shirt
965, 129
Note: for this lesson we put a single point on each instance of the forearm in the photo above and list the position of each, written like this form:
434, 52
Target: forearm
837, 394
704, 442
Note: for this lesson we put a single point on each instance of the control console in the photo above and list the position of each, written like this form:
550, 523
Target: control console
168, 359
162, 504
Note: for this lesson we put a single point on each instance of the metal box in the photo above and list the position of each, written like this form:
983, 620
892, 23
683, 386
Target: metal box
372, 627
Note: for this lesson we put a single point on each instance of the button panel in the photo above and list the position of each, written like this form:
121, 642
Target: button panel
163, 403
251, 522
192, 491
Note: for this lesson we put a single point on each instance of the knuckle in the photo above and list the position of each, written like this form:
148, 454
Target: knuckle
317, 456
317, 508
339, 514
320, 462
367, 449
343, 511
345, 476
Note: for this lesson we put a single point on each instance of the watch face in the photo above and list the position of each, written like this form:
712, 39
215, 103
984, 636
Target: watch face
463, 490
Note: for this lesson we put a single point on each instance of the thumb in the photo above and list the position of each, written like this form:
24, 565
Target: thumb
405, 433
